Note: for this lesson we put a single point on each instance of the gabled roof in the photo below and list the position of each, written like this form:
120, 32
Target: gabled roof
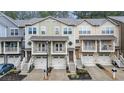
117, 18
66, 21
9, 18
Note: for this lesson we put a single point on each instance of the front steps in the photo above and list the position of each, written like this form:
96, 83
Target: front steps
79, 64
72, 67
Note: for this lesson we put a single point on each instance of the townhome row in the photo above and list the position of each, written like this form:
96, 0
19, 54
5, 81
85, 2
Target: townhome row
59, 42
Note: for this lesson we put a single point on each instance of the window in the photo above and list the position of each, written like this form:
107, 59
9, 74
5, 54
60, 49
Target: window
39, 47
34, 30
84, 30
77, 41
69, 31
57, 30
108, 30
43, 30
60, 47
43, 47
57, 47
65, 30
30, 30
14, 31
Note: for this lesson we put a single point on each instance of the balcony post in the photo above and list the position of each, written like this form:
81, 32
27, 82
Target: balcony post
18, 47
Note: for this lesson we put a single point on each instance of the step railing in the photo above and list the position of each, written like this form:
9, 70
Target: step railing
22, 63
18, 62
121, 59
31, 61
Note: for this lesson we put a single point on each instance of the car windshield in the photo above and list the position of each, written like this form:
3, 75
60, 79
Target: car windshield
1, 66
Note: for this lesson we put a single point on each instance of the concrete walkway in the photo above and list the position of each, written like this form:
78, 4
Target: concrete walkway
97, 74
58, 74
35, 75
119, 73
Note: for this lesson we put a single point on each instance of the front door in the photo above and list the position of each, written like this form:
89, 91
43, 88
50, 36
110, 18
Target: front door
77, 51
71, 56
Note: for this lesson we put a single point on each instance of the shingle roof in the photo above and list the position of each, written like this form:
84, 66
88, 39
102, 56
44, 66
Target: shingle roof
97, 37
49, 38
117, 18
67, 21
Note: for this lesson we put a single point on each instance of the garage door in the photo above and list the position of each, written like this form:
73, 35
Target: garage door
58, 62
88, 60
13, 59
104, 60
1, 59
40, 62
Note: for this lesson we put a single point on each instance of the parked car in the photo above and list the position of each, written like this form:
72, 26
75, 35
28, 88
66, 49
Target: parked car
4, 68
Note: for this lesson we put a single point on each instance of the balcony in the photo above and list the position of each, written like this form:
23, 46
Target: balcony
107, 46
12, 50
89, 46
42, 51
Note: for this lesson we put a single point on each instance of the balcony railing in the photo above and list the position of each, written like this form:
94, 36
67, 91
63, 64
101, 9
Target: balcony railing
10, 49
88, 48
107, 47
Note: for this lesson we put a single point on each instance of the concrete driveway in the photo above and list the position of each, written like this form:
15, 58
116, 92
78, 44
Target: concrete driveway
97, 74
58, 74
119, 73
35, 75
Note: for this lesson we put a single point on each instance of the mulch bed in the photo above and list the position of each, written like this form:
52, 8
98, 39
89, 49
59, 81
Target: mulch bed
12, 76
80, 75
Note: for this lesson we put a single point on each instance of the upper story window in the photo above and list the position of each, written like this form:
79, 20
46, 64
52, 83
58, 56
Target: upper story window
84, 31
14, 31
43, 30
108, 30
67, 30
57, 30
77, 41
32, 30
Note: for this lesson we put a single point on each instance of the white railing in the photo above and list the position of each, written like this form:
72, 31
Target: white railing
18, 62
30, 62
121, 59
22, 63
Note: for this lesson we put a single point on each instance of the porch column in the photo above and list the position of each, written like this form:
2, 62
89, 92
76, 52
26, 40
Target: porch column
32, 47
51, 47
0, 48
100, 45
96, 46
66, 45
18, 47
113, 46
25, 55
3, 47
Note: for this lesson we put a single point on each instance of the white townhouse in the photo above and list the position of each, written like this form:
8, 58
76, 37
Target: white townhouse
58, 42
10, 41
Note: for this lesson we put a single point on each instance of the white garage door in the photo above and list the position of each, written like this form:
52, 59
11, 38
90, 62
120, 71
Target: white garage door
88, 60
104, 59
59, 62
13, 59
1, 59
40, 62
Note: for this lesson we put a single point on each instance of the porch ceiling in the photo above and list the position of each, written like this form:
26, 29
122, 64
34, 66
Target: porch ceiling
97, 37
10, 38
49, 38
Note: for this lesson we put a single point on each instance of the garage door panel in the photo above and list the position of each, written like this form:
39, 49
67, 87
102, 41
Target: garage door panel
58, 63
1, 60
40, 63
88, 60
104, 60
